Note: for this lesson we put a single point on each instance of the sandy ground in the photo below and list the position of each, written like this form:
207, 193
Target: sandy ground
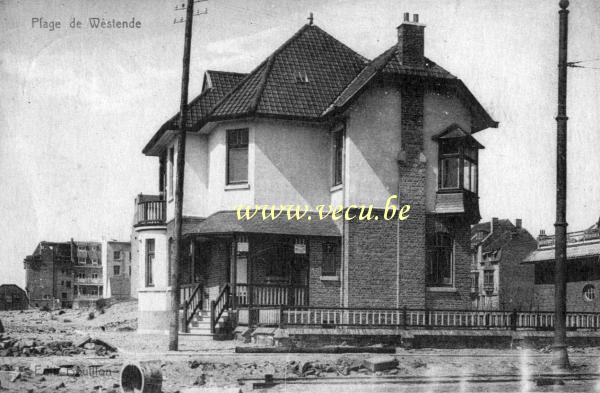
214, 363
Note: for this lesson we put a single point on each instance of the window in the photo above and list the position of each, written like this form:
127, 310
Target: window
94, 275
328, 266
170, 169
63, 295
81, 248
458, 164
474, 282
117, 255
488, 280
338, 157
170, 259
589, 293
94, 261
440, 260
237, 156
116, 270
81, 260
9, 299
68, 284
149, 261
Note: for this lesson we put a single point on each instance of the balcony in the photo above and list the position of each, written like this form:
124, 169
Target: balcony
150, 211
88, 280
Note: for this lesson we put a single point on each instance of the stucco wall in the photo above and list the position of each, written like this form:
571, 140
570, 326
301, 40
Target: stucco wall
372, 147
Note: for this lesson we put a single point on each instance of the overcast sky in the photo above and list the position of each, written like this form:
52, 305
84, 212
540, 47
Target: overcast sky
78, 105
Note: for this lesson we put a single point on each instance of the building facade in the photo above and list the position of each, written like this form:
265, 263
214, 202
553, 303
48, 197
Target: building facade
317, 124
64, 274
12, 297
583, 271
116, 269
499, 280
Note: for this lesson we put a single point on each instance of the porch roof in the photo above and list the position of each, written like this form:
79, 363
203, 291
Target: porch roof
227, 222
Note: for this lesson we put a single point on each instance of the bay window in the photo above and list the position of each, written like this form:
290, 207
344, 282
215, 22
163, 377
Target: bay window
458, 154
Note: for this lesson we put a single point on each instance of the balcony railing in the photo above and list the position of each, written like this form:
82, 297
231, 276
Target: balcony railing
88, 280
573, 238
150, 213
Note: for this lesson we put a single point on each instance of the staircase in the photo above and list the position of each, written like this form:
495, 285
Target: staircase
200, 325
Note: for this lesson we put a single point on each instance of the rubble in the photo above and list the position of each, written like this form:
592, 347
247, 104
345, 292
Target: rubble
380, 363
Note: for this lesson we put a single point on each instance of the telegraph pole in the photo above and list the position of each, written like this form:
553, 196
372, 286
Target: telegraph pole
560, 358
183, 115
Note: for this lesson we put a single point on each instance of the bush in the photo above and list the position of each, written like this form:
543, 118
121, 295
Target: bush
91, 315
45, 308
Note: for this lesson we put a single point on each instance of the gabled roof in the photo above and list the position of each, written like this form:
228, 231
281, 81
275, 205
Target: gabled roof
388, 65
300, 79
310, 77
502, 234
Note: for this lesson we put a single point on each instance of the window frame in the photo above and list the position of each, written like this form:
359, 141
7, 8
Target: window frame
329, 251
116, 255
116, 270
463, 154
487, 285
436, 249
240, 146
337, 161
149, 262
171, 172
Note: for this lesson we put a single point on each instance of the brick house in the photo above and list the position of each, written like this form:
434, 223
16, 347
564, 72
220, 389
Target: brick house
64, 274
316, 124
499, 279
583, 270
12, 297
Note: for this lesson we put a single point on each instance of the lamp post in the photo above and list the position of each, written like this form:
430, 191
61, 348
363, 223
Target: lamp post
560, 358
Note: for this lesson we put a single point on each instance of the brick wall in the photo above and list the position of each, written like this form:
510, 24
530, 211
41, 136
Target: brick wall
323, 293
543, 297
459, 298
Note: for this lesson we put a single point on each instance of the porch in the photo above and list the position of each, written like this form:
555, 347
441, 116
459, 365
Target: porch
242, 279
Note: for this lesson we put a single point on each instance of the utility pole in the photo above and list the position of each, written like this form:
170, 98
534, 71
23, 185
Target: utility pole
183, 115
560, 358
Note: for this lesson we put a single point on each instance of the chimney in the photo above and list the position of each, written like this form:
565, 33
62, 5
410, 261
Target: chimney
518, 223
411, 41
494, 224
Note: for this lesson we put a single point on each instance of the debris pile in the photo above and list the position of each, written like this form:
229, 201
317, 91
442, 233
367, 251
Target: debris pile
387, 365
32, 347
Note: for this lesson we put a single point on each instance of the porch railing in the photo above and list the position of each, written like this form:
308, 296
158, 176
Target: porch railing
150, 213
218, 307
270, 295
414, 318
191, 300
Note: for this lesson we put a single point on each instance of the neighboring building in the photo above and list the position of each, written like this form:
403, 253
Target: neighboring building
318, 124
116, 269
12, 297
583, 271
49, 275
499, 279
67, 274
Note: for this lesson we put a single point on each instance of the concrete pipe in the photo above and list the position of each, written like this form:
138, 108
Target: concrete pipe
141, 378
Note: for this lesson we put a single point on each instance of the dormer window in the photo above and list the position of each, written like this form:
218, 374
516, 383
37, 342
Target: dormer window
301, 77
458, 154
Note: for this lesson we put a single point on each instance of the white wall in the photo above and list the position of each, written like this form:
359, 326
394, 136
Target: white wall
372, 147
160, 266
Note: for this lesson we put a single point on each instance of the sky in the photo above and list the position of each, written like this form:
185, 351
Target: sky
78, 105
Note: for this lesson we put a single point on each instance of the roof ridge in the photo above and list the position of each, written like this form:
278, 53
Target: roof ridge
384, 57
227, 72
261, 86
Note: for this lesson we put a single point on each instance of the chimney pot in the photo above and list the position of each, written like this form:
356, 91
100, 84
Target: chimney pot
416, 18
406, 17
518, 223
